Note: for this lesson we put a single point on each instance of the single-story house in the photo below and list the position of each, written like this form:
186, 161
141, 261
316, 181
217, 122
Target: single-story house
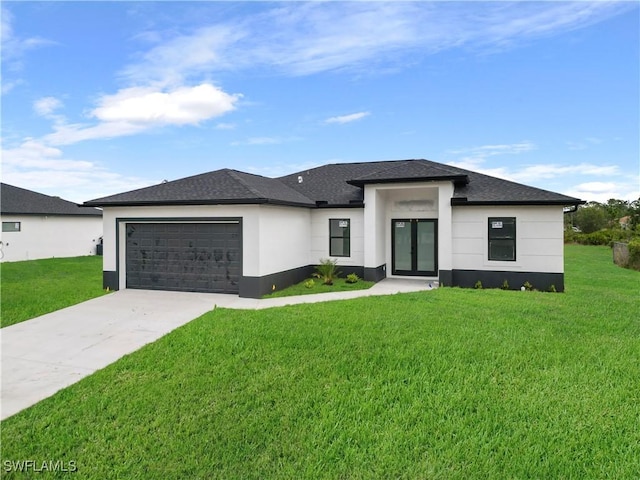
36, 226
233, 232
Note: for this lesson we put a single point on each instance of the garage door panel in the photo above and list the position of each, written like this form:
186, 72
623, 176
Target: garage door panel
203, 257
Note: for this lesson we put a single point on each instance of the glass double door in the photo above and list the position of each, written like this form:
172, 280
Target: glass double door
414, 247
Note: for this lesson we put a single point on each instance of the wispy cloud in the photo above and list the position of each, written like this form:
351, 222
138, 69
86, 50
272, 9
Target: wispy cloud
583, 144
43, 168
603, 191
14, 48
304, 38
475, 158
352, 117
264, 141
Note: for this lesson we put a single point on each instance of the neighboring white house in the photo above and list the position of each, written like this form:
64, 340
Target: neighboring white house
39, 226
233, 232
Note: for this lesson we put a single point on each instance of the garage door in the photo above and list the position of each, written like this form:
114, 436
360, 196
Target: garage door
192, 257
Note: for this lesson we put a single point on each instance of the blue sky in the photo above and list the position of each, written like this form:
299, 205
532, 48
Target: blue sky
104, 97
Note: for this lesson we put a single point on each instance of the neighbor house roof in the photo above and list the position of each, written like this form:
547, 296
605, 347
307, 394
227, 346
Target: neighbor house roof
20, 201
334, 185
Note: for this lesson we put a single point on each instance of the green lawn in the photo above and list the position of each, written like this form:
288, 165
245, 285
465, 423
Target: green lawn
445, 384
36, 287
305, 288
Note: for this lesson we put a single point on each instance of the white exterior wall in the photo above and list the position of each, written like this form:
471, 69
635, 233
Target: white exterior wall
320, 235
50, 236
283, 239
274, 238
539, 238
374, 227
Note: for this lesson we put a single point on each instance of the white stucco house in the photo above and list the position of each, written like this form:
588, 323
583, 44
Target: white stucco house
233, 232
36, 226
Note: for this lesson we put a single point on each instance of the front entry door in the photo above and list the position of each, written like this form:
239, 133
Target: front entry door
414, 247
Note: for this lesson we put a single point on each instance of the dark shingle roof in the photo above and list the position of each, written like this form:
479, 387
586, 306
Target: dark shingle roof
19, 201
334, 185
339, 184
411, 171
224, 186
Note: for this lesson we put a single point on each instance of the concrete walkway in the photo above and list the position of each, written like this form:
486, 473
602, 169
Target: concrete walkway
51, 352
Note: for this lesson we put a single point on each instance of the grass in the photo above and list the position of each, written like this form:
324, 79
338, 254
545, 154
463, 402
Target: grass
36, 287
339, 285
449, 384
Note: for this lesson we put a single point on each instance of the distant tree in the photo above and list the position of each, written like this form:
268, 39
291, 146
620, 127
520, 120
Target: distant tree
634, 213
616, 209
591, 217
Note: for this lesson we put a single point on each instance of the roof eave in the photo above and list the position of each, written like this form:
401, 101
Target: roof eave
462, 179
457, 202
50, 214
156, 203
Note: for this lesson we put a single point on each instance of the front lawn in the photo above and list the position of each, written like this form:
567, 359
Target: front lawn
450, 383
35, 287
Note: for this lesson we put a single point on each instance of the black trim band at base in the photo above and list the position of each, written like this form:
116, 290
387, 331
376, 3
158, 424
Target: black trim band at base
110, 280
495, 279
256, 287
375, 274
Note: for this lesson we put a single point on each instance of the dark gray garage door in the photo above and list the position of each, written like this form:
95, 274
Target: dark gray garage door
192, 257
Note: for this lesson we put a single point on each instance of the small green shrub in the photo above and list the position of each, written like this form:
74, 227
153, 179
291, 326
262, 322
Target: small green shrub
527, 286
505, 285
352, 278
310, 283
552, 288
478, 285
327, 271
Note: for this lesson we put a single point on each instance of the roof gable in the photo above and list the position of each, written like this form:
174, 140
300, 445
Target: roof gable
20, 201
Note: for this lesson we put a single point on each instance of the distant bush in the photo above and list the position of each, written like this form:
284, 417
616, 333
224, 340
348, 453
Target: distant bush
634, 254
602, 237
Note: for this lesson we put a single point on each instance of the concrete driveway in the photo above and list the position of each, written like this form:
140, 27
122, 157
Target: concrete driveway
48, 353
51, 352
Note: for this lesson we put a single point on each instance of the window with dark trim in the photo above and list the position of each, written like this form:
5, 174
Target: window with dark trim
502, 239
10, 226
339, 237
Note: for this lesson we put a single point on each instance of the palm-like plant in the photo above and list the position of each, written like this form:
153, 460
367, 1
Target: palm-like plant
327, 271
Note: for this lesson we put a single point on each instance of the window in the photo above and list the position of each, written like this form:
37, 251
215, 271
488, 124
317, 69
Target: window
339, 237
10, 226
502, 238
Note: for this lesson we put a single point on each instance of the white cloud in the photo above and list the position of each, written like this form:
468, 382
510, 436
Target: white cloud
172, 62
14, 48
303, 38
146, 105
46, 106
347, 118
474, 158
41, 168
603, 191
258, 141
137, 109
